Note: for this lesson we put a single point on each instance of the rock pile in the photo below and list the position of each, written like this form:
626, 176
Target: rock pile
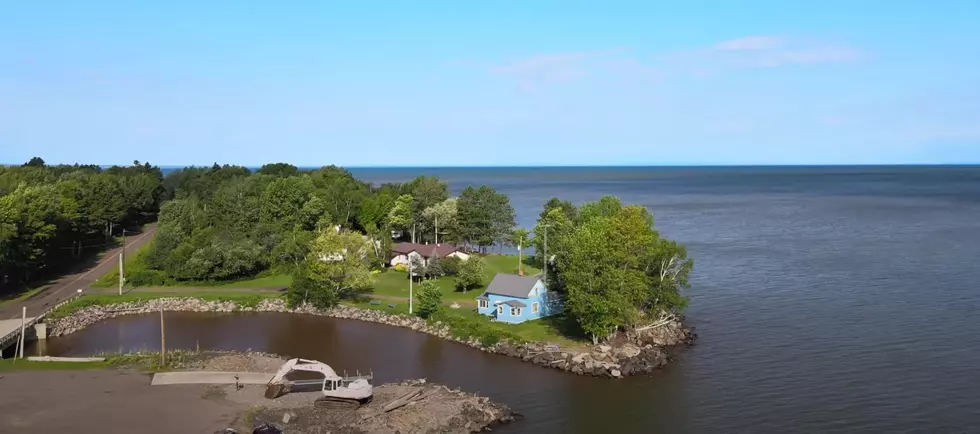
602, 360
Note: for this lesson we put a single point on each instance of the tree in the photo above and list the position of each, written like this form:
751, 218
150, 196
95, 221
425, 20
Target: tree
618, 273
35, 162
430, 299
338, 264
470, 274
442, 217
341, 192
283, 201
565, 206
279, 170
400, 217
434, 268
557, 228
485, 216
427, 191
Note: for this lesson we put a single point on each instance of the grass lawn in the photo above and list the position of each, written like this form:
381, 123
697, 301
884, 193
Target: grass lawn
7, 365
133, 261
393, 283
19, 296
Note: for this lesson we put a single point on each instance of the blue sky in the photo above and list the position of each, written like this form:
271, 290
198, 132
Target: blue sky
439, 83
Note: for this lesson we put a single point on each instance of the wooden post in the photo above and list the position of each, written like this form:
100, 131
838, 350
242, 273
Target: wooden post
163, 341
23, 323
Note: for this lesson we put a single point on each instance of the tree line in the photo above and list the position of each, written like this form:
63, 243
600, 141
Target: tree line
228, 222
54, 214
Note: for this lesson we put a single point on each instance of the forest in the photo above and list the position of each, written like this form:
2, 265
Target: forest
333, 233
52, 216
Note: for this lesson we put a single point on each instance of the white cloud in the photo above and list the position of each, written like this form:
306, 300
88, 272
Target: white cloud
531, 73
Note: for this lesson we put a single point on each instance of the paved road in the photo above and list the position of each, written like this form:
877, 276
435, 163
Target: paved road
68, 285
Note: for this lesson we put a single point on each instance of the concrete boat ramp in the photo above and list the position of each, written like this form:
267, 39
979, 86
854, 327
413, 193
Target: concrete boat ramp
210, 377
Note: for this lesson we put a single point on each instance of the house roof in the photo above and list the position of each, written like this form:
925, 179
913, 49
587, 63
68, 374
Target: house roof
425, 250
512, 285
515, 303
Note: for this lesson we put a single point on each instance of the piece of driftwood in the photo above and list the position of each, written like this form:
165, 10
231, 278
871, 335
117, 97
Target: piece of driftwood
401, 402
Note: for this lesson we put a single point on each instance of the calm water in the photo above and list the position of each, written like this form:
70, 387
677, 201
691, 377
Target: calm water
826, 299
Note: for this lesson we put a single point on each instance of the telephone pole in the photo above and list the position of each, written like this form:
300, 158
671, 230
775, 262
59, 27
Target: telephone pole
122, 258
437, 230
411, 279
545, 268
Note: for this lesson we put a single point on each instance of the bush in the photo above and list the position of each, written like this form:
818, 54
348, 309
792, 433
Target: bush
470, 274
450, 266
144, 277
401, 267
430, 299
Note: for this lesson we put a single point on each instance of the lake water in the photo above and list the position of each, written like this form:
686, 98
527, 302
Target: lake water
826, 300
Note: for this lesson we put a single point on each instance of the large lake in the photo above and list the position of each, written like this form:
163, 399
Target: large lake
826, 300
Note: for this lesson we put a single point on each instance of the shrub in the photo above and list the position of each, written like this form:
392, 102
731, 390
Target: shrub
450, 266
401, 267
430, 299
470, 274
144, 277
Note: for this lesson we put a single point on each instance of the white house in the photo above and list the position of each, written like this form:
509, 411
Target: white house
401, 252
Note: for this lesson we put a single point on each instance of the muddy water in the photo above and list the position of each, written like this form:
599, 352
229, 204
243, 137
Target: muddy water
551, 400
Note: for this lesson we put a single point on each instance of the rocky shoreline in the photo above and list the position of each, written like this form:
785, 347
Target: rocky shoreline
645, 355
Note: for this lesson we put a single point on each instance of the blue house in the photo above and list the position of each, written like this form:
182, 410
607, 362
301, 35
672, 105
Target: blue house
515, 299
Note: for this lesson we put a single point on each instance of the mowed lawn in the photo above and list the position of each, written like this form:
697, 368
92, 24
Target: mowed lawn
394, 284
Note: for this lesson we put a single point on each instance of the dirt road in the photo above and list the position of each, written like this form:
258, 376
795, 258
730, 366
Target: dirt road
68, 285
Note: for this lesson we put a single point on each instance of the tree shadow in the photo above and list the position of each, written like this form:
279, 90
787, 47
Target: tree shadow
65, 264
566, 326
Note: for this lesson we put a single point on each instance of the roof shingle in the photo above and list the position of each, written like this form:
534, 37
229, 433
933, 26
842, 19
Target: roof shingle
512, 285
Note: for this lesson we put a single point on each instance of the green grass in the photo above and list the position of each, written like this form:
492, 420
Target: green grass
393, 283
270, 281
9, 365
10, 298
134, 261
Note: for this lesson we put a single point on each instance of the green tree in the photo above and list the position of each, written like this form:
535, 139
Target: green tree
279, 170
442, 217
470, 274
557, 228
485, 216
619, 273
35, 162
426, 191
283, 201
400, 217
565, 206
430, 299
341, 193
338, 264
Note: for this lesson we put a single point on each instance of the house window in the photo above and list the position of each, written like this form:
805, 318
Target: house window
534, 307
484, 303
515, 311
500, 310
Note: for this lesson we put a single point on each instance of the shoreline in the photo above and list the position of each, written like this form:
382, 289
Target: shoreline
608, 361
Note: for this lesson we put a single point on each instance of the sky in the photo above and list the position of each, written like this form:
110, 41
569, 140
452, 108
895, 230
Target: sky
512, 83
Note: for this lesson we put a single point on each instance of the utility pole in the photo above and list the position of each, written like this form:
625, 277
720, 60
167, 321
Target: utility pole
163, 341
411, 279
437, 230
122, 258
545, 269
520, 258
23, 323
